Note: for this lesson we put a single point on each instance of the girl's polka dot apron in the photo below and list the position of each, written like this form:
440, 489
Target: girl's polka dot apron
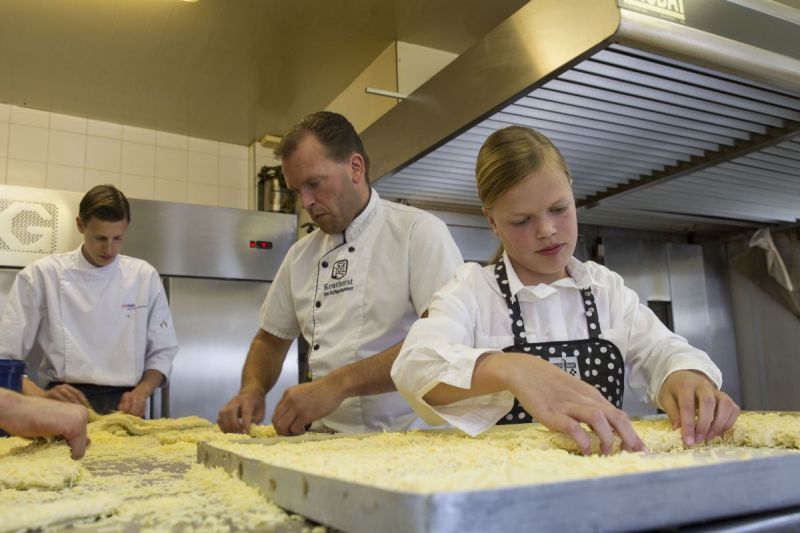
594, 360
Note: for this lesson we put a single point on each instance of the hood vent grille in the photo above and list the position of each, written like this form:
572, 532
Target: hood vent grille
653, 143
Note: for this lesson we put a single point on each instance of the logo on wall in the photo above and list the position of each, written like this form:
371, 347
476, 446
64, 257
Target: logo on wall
339, 269
667, 9
28, 226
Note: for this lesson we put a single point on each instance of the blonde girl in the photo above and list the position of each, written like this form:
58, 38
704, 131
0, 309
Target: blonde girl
538, 334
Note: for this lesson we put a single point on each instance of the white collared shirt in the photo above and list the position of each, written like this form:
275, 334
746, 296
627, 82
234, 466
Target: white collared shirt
469, 317
96, 325
355, 294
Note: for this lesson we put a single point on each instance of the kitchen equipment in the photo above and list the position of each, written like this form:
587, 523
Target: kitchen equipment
11, 372
746, 481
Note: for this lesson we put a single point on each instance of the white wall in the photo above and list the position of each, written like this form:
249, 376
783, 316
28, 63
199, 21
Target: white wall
54, 151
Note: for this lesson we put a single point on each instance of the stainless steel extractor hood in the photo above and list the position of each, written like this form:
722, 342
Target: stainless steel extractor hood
680, 115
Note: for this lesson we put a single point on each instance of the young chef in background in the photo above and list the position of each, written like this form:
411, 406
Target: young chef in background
29, 416
540, 333
352, 288
101, 318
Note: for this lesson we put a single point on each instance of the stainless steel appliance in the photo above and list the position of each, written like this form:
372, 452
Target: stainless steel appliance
674, 116
217, 264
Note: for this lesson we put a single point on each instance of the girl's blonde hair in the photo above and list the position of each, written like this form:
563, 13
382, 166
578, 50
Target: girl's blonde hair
507, 157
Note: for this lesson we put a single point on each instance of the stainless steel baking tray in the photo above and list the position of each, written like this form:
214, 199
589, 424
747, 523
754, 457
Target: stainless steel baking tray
758, 481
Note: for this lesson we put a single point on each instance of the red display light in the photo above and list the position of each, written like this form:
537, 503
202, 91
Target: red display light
261, 245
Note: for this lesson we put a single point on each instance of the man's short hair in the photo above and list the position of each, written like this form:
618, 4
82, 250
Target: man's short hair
332, 130
106, 203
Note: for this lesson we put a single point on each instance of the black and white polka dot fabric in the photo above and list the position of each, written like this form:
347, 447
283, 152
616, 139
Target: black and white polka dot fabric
594, 360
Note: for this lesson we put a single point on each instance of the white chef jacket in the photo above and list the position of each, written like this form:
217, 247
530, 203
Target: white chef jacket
96, 325
354, 294
469, 317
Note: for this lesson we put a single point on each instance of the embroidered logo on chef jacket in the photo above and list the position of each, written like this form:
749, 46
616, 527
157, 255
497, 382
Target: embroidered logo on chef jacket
339, 269
132, 307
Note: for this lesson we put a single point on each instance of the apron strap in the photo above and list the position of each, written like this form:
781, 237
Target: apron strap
515, 314
590, 310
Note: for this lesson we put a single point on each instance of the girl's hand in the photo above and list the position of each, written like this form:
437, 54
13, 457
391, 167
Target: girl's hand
562, 402
694, 403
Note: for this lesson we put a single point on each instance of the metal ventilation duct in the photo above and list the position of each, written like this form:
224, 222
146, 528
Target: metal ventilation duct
665, 126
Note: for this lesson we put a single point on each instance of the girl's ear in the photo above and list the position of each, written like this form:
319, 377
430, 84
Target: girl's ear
491, 220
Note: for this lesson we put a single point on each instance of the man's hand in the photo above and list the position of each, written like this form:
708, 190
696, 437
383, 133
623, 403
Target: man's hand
562, 402
33, 416
304, 404
243, 410
67, 393
133, 403
694, 403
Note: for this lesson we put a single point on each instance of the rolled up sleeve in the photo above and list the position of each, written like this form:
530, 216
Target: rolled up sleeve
441, 349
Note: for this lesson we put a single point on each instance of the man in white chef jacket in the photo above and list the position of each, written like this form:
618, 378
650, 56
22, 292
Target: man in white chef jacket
352, 288
101, 318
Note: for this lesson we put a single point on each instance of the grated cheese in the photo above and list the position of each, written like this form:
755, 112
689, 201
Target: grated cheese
136, 473
426, 462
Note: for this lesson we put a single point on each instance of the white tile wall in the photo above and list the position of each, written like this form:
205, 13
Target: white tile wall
229, 197
138, 186
139, 135
56, 151
67, 149
69, 123
233, 150
26, 173
171, 191
172, 140
28, 143
64, 178
103, 154
203, 145
233, 173
3, 137
138, 159
172, 163
94, 177
202, 194
203, 168
30, 117
105, 129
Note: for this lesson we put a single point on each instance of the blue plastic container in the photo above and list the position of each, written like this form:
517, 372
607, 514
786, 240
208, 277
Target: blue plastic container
11, 372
